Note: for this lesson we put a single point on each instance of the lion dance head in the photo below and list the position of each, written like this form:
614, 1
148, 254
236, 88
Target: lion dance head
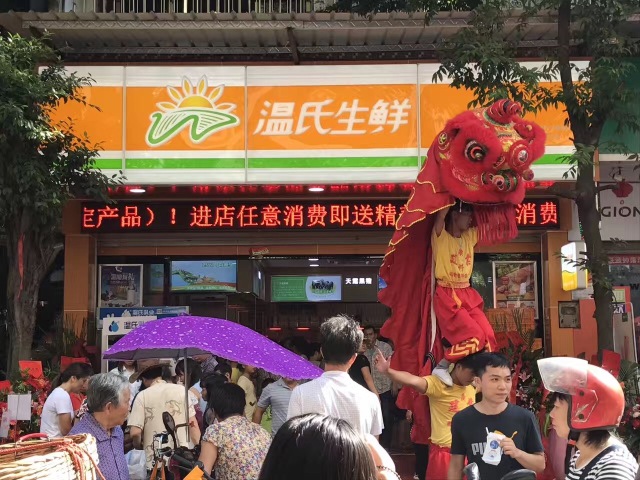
485, 155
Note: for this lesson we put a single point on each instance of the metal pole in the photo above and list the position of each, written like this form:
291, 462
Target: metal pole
186, 396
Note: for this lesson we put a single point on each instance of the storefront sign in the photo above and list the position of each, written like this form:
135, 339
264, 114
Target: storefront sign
120, 286
159, 124
312, 288
207, 216
127, 313
620, 215
624, 259
515, 285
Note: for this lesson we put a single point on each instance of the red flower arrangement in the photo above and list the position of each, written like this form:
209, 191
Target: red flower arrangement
39, 389
629, 429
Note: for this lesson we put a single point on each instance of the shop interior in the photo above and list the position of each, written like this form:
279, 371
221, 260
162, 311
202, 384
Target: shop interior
290, 296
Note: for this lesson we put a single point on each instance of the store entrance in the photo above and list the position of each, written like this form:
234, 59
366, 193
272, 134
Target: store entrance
290, 296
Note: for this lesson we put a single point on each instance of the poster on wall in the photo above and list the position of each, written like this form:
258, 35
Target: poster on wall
156, 278
303, 288
204, 276
515, 284
120, 286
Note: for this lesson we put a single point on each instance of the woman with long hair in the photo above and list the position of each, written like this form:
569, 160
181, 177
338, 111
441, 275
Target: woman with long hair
318, 447
57, 412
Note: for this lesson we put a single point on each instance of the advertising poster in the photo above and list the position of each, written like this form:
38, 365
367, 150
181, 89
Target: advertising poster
515, 285
204, 276
156, 278
120, 286
302, 288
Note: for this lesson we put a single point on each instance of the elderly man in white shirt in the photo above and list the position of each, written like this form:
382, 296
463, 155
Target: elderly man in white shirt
335, 393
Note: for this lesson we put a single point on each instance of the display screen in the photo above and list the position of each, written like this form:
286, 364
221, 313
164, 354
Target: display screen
204, 276
212, 216
306, 288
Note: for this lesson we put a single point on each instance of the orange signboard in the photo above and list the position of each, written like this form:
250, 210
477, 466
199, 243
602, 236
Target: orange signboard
103, 124
332, 116
439, 103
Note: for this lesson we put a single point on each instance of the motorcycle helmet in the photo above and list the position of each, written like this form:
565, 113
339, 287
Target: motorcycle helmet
596, 399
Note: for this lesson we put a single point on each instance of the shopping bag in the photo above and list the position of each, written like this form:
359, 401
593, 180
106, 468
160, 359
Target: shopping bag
137, 463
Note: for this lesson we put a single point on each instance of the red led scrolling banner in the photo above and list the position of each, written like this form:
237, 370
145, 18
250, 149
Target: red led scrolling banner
199, 215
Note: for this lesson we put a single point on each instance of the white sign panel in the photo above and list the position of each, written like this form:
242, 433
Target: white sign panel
620, 211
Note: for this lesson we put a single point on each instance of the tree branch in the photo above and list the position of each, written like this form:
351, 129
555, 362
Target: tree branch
556, 189
607, 186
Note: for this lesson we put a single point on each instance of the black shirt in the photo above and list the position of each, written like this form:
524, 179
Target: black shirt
355, 372
469, 435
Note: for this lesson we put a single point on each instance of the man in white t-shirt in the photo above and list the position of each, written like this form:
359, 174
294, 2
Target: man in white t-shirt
158, 396
335, 393
58, 403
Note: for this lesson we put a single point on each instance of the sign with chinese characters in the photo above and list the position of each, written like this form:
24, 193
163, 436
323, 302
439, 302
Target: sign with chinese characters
236, 125
624, 259
538, 213
358, 281
300, 288
359, 214
120, 286
110, 313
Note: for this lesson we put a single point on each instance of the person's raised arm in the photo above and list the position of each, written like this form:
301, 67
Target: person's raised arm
438, 225
407, 379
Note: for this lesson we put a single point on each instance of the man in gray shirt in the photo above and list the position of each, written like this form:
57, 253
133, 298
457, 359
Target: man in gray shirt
275, 395
383, 383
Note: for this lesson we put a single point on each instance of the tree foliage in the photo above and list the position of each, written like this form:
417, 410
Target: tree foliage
43, 164
430, 7
482, 58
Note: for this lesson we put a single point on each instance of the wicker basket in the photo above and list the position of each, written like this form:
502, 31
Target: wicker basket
69, 458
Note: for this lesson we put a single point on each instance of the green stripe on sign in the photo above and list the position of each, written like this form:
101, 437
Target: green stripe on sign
109, 163
177, 163
333, 162
553, 159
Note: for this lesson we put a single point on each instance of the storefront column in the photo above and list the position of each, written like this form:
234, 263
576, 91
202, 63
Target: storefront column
558, 341
79, 274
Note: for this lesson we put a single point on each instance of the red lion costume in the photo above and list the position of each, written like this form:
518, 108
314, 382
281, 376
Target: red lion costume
481, 157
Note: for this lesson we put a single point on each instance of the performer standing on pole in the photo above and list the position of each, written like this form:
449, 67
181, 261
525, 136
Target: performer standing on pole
464, 327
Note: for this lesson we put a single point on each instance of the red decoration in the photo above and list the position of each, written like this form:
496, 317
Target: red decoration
623, 189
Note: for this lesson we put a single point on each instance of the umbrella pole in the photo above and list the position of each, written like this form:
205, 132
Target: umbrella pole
186, 395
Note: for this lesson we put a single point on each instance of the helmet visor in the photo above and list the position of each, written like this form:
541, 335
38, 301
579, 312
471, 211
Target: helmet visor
563, 374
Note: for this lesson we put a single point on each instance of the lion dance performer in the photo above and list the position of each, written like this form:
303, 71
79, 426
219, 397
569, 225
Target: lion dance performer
465, 194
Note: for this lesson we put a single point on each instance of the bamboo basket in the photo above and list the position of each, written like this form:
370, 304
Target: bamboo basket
68, 458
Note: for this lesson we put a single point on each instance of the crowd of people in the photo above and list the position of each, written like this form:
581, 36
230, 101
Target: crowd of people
331, 427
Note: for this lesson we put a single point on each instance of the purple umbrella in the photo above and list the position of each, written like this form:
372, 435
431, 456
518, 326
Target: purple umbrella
187, 336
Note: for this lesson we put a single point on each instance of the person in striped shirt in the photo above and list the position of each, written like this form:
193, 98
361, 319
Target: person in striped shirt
588, 405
